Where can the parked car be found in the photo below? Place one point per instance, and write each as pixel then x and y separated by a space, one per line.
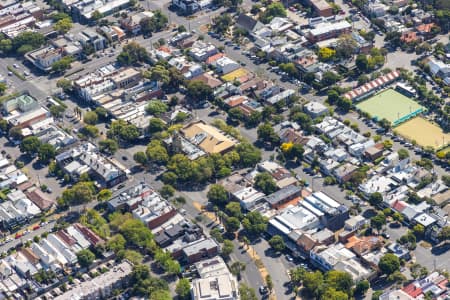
pixel 289 258
pixel 263 290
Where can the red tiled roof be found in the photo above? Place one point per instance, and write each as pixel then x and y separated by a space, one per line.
pixel 425 27
pixel 235 101
pixel 40 199
pixel 93 238
pixel 213 58
pixel 209 80
pixel 399 205
pixel 408 37
pixel 412 290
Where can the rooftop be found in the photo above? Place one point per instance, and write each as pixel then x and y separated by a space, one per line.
pixel 208 138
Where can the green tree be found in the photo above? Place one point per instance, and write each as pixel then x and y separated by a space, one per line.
pixel 62 65
pixel 3 88
pixel 30 145
pixel 63 26
pixel 15 133
pixel 340 281
pixel 232 224
pixel 254 223
pixel 156 125
pixel 222 23
pixel 27 41
pixel 108 146
pixel 362 62
pixel 378 221
pixel 329 78
pixel 199 91
pixel 444 234
pixel 60 16
pixel 116 243
pixel 160 295
pixel 123 131
pixel 132 53
pixel 362 287
pixel 273 10
pixel 345 46
pixel 266 133
pixel 96 15
pixel 333 294
pixel 89 131
pixel 217 194
pixel 326 54
pixel 46 152
pixel 156 153
pixel 167 191
pixel 389 263
pixel 403 153
pixel 269 283
pixel 277 243
pixel 183 288
pixel 104 195
pixel 233 209
pixel 236 268
pixel 249 156
pixel 156 107
pixel 90 118
pixel 227 248
pixel 265 183
pixel 6 45
pixel 375 199
pixel 313 283
pixel 246 292
pixel 141 158
pixel 85 258
pixel 160 73
pixel 65 84
pixel 289 68
pixel 57 111
pixel 80 193
pixel 3 125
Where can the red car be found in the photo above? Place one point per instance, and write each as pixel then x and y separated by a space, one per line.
pixel 18 235
pixel 36 227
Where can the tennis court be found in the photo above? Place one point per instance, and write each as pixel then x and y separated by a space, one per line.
pixel 235 75
pixel 424 133
pixel 392 106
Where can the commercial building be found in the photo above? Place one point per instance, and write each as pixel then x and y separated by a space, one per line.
pixel 215 282
pixel 102 286
pixel 153 210
pixel 82 10
pixel 44 58
pixel 337 257
pixel 86 158
pixel 330 30
pixel 207 138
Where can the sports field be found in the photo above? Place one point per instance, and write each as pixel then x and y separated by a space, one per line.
pixel 424 133
pixel 391 106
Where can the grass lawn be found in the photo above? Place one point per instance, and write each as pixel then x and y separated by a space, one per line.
pixel 424 133
pixel 389 105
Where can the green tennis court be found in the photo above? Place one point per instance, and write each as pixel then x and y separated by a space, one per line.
pixel 392 106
